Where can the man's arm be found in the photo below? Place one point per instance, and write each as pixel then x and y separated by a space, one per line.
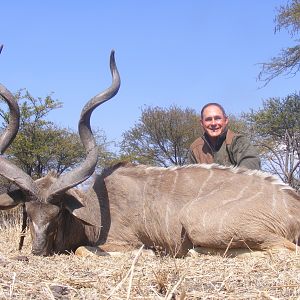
pixel 245 154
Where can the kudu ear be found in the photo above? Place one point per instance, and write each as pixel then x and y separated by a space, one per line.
pixel 11 199
pixel 80 207
pixel 7 202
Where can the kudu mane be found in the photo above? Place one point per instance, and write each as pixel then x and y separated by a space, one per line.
pixel 260 175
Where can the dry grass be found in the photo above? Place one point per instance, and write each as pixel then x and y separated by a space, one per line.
pixel 24 276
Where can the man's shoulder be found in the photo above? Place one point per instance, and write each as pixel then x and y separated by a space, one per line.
pixel 239 139
pixel 196 143
pixel 233 137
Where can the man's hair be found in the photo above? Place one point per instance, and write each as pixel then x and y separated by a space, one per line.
pixel 213 104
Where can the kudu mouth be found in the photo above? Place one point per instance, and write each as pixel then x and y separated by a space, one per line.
pixel 42 251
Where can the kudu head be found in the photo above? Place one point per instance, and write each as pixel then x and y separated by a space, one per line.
pixel 46 199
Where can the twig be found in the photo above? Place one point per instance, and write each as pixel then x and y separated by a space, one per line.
pixel 12 285
pixel 24 226
pixel 156 293
pixel 132 267
pixel 130 272
pixel 228 247
pixel 224 282
pixel 48 292
pixel 169 294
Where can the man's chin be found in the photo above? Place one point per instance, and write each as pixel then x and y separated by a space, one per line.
pixel 215 133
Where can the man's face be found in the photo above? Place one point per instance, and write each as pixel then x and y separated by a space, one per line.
pixel 213 121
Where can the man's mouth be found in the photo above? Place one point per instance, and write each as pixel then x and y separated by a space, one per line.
pixel 214 129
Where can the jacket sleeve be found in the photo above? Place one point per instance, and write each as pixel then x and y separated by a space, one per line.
pixel 244 153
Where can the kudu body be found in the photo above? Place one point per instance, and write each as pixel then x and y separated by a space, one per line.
pixel 172 209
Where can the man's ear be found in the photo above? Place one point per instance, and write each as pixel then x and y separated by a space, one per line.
pixel 226 120
pixel 200 122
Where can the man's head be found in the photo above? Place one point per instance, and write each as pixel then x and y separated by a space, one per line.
pixel 213 120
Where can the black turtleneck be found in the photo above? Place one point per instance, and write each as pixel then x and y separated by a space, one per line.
pixel 219 141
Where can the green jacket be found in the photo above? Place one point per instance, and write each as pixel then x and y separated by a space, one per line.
pixel 231 149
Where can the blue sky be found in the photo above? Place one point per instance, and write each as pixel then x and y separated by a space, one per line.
pixel 186 53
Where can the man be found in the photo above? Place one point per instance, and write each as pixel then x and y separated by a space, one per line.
pixel 219 144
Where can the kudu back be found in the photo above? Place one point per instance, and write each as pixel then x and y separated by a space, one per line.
pixel 168 209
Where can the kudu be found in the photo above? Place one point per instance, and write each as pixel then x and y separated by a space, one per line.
pixel 172 209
